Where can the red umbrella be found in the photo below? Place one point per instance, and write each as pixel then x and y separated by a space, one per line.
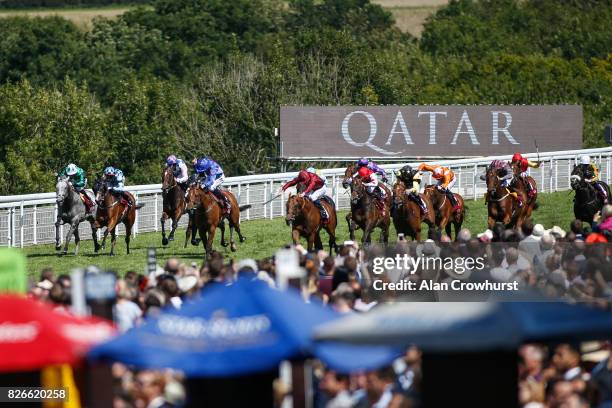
pixel 32 335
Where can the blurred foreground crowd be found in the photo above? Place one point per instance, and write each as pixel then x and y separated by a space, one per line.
pixel 573 264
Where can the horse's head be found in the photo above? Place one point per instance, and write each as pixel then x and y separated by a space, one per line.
pixel 168 180
pixel 577 178
pixel 399 190
pixel 348 176
pixel 357 190
pixel 62 188
pixel 295 206
pixel 100 189
pixel 492 179
pixel 192 198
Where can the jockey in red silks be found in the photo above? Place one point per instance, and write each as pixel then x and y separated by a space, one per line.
pixel 313 187
pixel 524 164
pixel 369 178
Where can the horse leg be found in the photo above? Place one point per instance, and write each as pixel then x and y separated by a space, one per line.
pixel 103 246
pixel 231 232
pixel 312 237
pixel 210 238
pixel 175 220
pixel 385 232
pixel 351 228
pixel 162 220
pixel 94 237
pixel 58 244
pixel 194 241
pixel 295 236
pixel 77 240
pixel 188 231
pixel 222 228
pixel 113 241
pixel 68 236
pixel 318 244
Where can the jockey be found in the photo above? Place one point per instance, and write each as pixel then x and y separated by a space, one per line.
pixel 446 180
pixel 591 175
pixel 505 176
pixel 115 179
pixel 77 178
pixel 179 169
pixel 313 187
pixel 524 164
pixel 370 180
pixel 211 176
pixel 412 180
pixel 363 162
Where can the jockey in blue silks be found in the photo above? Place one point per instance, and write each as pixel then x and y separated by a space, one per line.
pixel 116 183
pixel 211 176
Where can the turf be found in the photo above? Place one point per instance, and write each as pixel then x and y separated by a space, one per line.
pixel 264 237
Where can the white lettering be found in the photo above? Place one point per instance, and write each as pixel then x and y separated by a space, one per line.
pixel 505 130
pixel 465 120
pixel 432 124
pixel 399 120
pixel 373 129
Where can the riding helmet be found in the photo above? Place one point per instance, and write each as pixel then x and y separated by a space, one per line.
pixel 110 170
pixel 363 162
pixel 71 170
pixel 171 160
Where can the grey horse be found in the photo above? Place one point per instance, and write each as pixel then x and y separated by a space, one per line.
pixel 71 210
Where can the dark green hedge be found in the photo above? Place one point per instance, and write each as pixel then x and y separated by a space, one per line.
pixel 18 4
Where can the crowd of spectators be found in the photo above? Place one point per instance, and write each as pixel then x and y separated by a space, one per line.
pixel 573 265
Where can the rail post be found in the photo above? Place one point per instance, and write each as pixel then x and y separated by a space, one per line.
pixel 475 196
pixel 550 178
pixel 156 213
pixel 248 200
pixel 35 224
pixel 21 227
pixel 135 228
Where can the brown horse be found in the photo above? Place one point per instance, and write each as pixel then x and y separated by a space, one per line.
pixel 111 212
pixel 304 218
pixel 445 218
pixel 347 182
pixel 173 198
pixel 502 205
pixel 206 214
pixel 407 215
pixel 366 215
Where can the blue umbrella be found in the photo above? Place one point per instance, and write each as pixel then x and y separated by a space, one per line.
pixel 470 326
pixel 233 330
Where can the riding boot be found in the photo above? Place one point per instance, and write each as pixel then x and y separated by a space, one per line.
pixel 127 198
pixel 602 191
pixel 453 200
pixel 380 199
pixel 324 216
pixel 420 202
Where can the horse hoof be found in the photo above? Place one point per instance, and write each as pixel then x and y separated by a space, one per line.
pixel 224 244
pixel 242 239
pixel 194 242
pixel 64 253
pixel 164 241
pixel 233 247
pixel 171 238
pixel 58 247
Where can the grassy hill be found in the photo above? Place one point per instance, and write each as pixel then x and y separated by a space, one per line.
pixel 264 237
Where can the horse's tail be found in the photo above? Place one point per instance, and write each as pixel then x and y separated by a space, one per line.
pixel 244 207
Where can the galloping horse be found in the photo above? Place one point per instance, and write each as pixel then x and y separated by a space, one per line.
pixel 206 214
pixel 347 182
pixel 445 217
pixel 304 218
pixel 71 210
pixel 173 198
pixel 406 214
pixel 111 212
pixel 501 205
pixel 587 201
pixel 366 215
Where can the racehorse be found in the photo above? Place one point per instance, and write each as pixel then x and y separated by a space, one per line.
pixel 304 218
pixel 71 210
pixel 366 215
pixel 173 198
pixel 406 213
pixel 519 184
pixel 501 205
pixel 206 214
pixel 111 212
pixel 444 215
pixel 347 182
pixel 587 201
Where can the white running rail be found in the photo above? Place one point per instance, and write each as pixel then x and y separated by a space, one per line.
pixel 29 219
